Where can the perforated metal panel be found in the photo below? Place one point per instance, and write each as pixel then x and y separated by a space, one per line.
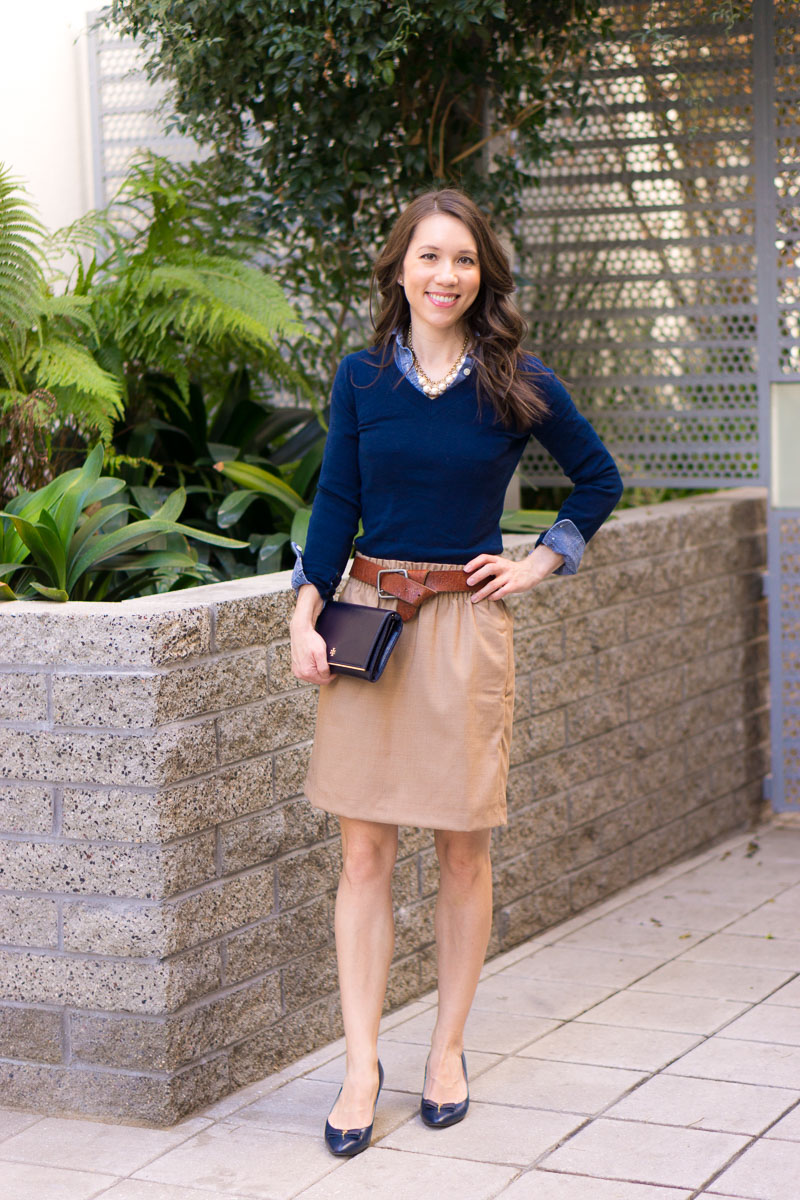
pixel 639 268
pixel 127 111
pixel 778 141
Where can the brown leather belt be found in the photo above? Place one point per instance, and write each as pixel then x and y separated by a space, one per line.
pixel 411 587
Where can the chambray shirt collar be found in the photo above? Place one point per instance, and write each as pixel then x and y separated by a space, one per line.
pixel 404 361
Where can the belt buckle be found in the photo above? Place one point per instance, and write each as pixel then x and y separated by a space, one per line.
pixel 389 571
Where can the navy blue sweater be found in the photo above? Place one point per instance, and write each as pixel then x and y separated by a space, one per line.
pixel 428 477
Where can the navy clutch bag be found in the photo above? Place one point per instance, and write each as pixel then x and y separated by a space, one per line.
pixel 359 638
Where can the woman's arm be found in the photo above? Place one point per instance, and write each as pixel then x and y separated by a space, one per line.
pixel 333 525
pixel 577 449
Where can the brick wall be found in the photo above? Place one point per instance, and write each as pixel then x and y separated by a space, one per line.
pixel 166 894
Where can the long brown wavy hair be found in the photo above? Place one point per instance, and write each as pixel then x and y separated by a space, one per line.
pixel 496 326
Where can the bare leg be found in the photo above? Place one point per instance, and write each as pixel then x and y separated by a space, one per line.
pixel 364 945
pixel 463 922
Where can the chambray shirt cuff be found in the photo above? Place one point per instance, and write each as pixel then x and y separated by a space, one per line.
pixel 299 576
pixel 565 538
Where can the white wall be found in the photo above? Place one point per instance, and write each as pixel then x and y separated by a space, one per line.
pixel 44 104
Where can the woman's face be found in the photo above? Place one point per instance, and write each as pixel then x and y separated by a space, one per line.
pixel 440 274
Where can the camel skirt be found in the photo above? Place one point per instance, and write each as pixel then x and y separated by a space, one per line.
pixel 428 743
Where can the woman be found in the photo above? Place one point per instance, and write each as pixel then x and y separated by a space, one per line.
pixel 426 429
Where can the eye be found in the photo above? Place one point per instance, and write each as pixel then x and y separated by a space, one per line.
pixel 466 258
pixel 427 254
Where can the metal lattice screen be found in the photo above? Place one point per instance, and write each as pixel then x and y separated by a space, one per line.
pixel 639 272
pixel 127 111
pixel 779 354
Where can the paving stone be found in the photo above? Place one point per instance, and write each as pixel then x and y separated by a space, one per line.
pixel 391 1173
pixel 537 997
pixel 21 1181
pixel 579 963
pixel 705 1104
pixel 404 1065
pixel 12 1121
pixel 139 1189
pixel 746 951
pixel 230 1159
pixel 556 1086
pixel 645 1153
pixel 493 1133
pixel 788 994
pixel 744 1062
pixel 767 1171
pixel 771 921
pixel 547 1185
pixel 787 1129
pixel 611 1046
pixel 767 1023
pixel 302 1105
pixel 722 981
pixel 659 1010
pixel 117 1149
pixel 484 1030
pixel 646 938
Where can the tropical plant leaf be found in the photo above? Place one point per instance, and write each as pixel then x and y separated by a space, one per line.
pixel 527 520
pixel 52 593
pixel 248 476
pixel 300 521
pixel 234 506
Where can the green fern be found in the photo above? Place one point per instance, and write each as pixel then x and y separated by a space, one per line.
pixel 42 336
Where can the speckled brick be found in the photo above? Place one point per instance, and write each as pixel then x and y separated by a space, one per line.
pixel 254 620
pixel 262 835
pixel 593 632
pixel 156 1100
pixel 643 617
pixel 161 814
pixel 553 688
pixel 28 921
pixel 147 872
pixel 102 635
pixel 25 809
pixel 281 679
pixel 522 918
pixel 116 985
pixel 601 794
pixel 278 940
pixel 600 879
pixel 308 873
pixel 272 725
pixel 596 714
pixel 166 1044
pixel 30 1033
pixel 291 767
pixel 120 927
pixel 70 757
pixel 22 697
pixel 284 1041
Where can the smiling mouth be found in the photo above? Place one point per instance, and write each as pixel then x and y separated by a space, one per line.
pixel 443 299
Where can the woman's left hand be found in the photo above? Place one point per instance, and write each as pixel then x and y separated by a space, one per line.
pixel 510 576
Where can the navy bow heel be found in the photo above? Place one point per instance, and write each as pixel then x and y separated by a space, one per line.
pixel 347 1142
pixel 439 1116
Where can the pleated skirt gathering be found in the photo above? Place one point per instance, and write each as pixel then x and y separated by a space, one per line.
pixel 428 744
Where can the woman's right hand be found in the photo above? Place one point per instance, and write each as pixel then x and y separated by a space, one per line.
pixel 309 652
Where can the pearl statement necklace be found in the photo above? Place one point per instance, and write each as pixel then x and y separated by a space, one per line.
pixel 435 387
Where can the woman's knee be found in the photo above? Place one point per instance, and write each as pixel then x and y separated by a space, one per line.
pixel 464 857
pixel 367 856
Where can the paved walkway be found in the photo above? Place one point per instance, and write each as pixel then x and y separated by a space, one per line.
pixel 646 1050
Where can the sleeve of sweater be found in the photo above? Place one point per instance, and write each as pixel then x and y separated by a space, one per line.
pixel 337 504
pixel 577 449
